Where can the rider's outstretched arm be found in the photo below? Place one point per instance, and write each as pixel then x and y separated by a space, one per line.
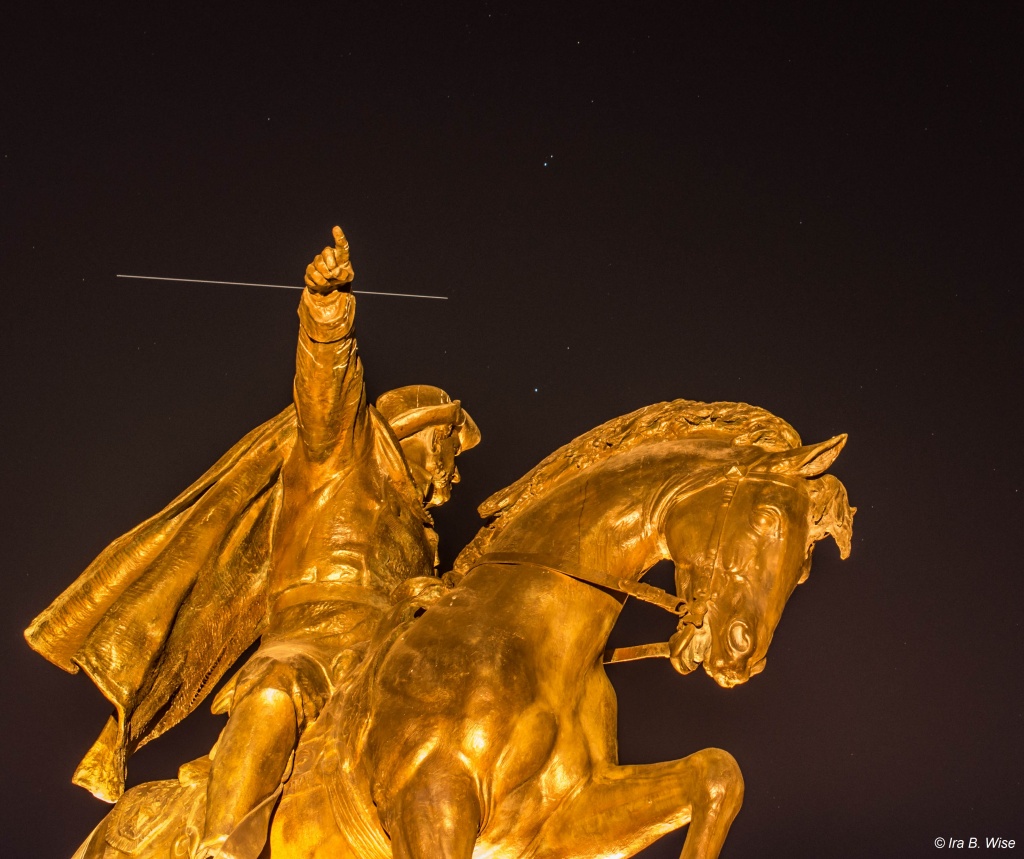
pixel 330 397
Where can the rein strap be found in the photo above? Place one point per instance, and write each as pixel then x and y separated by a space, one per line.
pixel 638 590
pixel 644 592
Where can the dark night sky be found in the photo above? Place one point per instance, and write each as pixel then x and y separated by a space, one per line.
pixel 814 211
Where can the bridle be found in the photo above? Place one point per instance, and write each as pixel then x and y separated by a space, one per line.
pixel 703 574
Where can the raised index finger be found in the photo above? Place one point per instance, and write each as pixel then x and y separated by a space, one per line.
pixel 340 244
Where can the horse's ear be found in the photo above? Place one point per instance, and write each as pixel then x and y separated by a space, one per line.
pixel 808 461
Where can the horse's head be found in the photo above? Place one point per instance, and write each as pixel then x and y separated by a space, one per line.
pixel 741 546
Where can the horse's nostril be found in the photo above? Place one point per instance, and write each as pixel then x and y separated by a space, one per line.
pixel 739 637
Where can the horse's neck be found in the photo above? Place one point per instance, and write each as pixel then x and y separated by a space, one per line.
pixel 606 519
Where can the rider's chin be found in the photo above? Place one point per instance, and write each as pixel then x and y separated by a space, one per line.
pixel 438 494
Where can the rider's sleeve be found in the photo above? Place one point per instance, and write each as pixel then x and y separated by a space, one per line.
pixel 330 399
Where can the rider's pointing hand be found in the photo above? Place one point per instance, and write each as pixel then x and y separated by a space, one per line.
pixel 331 269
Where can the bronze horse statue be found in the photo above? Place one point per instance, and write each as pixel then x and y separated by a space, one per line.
pixel 482 723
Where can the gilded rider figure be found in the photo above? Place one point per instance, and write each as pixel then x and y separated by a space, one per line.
pixel 299 534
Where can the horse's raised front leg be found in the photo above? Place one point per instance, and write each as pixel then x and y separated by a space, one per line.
pixel 624 809
pixel 436 815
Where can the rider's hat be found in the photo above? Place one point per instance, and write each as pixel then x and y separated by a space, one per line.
pixel 416 407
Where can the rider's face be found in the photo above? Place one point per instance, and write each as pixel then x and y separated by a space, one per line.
pixel 431 455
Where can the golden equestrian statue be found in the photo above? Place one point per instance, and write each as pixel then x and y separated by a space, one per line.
pixel 475 718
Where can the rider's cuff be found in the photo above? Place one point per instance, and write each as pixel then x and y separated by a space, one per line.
pixel 327 318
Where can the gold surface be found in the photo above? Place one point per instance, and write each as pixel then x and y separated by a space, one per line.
pixel 388 712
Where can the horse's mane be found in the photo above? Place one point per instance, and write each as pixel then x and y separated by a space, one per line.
pixel 740 423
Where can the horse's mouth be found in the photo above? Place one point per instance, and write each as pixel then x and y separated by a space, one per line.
pixel 688 647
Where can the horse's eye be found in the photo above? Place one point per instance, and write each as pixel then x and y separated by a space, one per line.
pixel 767 521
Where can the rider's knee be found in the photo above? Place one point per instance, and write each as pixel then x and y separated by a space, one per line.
pixel 281 677
pixel 273 699
pixel 272 683
pixel 273 690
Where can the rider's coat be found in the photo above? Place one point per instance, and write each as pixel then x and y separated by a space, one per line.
pixel 298 523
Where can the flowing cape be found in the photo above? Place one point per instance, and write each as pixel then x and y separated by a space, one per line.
pixel 166 609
